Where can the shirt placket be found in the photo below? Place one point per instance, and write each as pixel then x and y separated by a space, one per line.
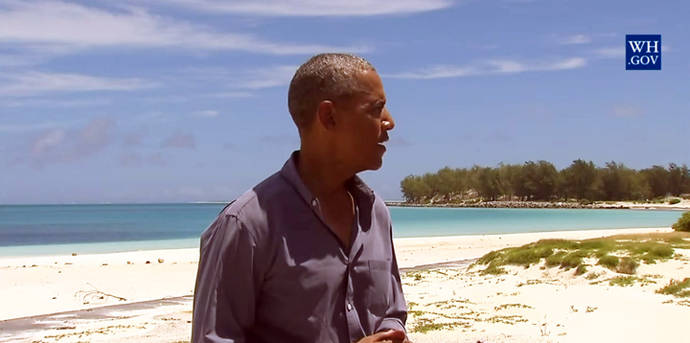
pixel 354 326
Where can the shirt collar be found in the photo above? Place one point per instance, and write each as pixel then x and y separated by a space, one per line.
pixel 363 195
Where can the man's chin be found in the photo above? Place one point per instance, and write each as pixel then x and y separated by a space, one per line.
pixel 376 165
pixel 370 166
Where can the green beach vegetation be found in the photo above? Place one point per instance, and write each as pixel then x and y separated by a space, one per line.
pixel 677 288
pixel 582 181
pixel 621 253
pixel 683 223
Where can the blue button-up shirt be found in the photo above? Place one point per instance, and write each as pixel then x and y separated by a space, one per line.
pixel 271 270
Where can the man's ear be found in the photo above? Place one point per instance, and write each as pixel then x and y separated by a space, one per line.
pixel 325 114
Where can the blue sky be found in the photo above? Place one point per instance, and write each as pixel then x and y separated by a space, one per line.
pixel 185 100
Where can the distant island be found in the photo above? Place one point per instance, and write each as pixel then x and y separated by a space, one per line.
pixel 540 185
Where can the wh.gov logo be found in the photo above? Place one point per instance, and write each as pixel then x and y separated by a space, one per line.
pixel 642 52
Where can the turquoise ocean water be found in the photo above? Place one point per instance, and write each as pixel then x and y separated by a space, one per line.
pixel 63 229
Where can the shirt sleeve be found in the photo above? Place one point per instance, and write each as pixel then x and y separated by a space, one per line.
pixel 226 284
pixel 396 315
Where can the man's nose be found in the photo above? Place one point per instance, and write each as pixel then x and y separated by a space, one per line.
pixel 387 120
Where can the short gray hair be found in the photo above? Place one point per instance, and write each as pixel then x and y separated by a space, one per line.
pixel 323 77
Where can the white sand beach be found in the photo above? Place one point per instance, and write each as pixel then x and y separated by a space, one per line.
pixel 683 204
pixel 524 305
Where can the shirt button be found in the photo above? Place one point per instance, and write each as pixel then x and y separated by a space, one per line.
pixel 313 202
pixel 349 307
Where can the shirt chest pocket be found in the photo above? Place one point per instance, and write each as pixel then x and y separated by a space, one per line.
pixel 379 274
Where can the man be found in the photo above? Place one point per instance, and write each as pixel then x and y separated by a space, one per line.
pixel 307 254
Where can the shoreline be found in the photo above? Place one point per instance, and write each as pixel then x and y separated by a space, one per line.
pixel 177 255
pixel 73 250
pixel 683 205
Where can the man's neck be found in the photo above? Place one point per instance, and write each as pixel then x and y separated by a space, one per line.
pixel 322 175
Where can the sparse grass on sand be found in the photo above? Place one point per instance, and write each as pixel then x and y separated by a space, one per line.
pixel 677 288
pixel 623 281
pixel 621 253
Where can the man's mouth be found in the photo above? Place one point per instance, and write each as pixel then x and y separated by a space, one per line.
pixel 383 141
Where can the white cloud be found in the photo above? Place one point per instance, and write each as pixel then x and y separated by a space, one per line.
pixel 610 52
pixel 507 66
pixel 226 83
pixel 490 67
pixel 32 83
pixel 435 72
pixel 207 113
pixel 304 8
pixel 619 51
pixel 267 77
pixel 61 145
pixel 48 140
pixel 242 82
pixel 76 26
pixel 577 39
pixel 570 63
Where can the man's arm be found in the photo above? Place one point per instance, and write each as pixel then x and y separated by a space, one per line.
pixel 226 286
pixel 396 314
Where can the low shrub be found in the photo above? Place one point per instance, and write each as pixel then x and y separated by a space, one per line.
pixel 581 269
pixel 609 261
pixel 492 269
pixel 599 244
pixel 661 252
pixel 627 266
pixel 651 252
pixel 572 260
pixel 674 201
pixel 555 259
pixel 683 223
pixel 527 257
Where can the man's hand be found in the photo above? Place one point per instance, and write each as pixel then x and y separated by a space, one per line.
pixel 390 336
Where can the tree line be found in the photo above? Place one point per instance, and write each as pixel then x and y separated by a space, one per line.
pixel 540 180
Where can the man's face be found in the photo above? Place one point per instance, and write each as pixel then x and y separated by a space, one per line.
pixel 366 123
